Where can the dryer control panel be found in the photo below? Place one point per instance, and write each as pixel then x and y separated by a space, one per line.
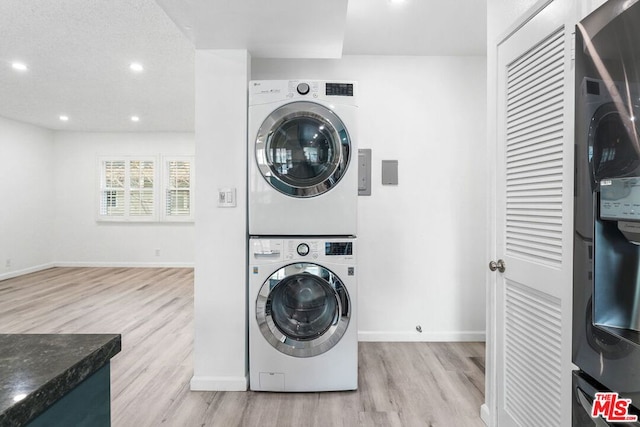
pixel 342 92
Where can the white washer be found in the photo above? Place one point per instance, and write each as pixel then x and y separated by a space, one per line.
pixel 302 158
pixel 302 314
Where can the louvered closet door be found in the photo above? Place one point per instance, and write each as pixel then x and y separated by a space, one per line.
pixel 534 222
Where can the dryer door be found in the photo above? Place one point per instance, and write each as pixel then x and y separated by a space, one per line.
pixel 303 310
pixel 613 142
pixel 302 149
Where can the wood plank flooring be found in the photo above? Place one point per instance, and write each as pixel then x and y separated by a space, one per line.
pixel 400 384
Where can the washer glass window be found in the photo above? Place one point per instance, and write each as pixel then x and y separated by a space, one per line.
pixel 302 149
pixel 303 306
pixel 303 310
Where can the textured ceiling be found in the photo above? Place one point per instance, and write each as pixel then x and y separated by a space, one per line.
pixel 78 51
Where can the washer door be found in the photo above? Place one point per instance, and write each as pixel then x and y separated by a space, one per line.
pixel 302 149
pixel 613 143
pixel 303 310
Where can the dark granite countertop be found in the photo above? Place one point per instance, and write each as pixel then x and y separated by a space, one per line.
pixel 40 369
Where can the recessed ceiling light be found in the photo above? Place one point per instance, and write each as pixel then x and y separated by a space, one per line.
pixel 19 66
pixel 136 67
pixel 64 118
pixel 135 118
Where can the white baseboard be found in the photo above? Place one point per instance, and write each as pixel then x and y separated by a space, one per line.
pixel 125 264
pixel 35 268
pixel 454 336
pixel 485 415
pixel 199 383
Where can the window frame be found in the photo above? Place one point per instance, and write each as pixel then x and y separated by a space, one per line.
pixel 160 189
pixel 127 216
pixel 166 187
pixel 109 194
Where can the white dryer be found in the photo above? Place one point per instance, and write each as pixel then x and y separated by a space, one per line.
pixel 302 158
pixel 302 314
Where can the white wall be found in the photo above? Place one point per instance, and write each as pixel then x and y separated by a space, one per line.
pixel 79 239
pixel 50 187
pixel 220 301
pixel 422 244
pixel 27 207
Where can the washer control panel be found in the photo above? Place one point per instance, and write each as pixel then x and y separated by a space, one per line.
pixel 298 250
pixel 303 88
pixel 315 249
pixel 334 250
pixel 303 249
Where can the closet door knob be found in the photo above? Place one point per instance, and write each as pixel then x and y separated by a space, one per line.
pixel 497 265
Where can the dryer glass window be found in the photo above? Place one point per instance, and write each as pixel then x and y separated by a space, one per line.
pixel 303 306
pixel 302 149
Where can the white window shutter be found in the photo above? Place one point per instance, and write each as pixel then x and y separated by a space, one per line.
pixel 141 188
pixel 112 191
pixel 178 189
pixel 128 189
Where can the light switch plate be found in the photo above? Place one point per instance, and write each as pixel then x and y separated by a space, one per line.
pixel 226 197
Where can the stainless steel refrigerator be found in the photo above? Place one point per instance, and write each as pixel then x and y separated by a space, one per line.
pixel 606 283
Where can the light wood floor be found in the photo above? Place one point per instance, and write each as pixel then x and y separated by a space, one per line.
pixel 400 384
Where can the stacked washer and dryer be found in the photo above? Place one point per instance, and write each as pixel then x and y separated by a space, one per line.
pixel 302 227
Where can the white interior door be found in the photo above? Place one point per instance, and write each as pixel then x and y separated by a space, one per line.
pixel 534 221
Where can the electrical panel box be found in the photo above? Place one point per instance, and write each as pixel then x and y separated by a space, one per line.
pixel 364 172
pixel 389 172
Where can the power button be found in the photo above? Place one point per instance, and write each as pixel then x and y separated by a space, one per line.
pixel 303 249
pixel 303 88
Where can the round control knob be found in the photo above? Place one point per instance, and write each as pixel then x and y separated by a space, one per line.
pixel 303 88
pixel 303 249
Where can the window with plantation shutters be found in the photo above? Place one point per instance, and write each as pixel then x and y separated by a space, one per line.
pixel 128 189
pixel 112 188
pixel 156 188
pixel 141 188
pixel 178 189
